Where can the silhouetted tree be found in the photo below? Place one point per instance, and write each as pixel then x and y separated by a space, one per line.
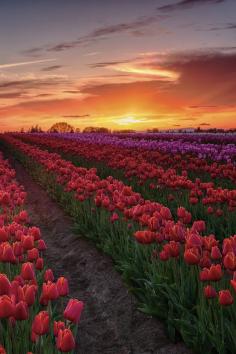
pixel 153 130
pixel 96 130
pixel 35 129
pixel 125 131
pixel 61 127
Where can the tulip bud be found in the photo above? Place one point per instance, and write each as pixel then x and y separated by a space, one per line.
pixel 73 310
pixel 210 292
pixel 65 340
pixel 62 286
pixel 21 311
pixel 225 298
pixel 40 323
pixel 27 271
pixel 48 275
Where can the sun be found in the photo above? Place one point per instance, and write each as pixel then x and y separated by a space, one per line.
pixel 128 120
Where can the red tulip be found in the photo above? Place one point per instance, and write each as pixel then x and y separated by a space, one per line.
pixel 29 294
pixel 7 307
pixel 57 326
pixel 233 283
pixel 62 286
pixel 21 311
pixel 27 271
pixel 204 274
pixel 40 323
pixel 7 253
pixel 48 275
pixel 215 253
pixel 5 285
pixel 65 340
pixel 215 272
pixel 145 236
pixel 73 310
pixel 225 298
pixel 2 350
pixel 41 245
pixel 35 232
pixel 39 264
pixel 164 255
pixel 27 242
pixel 230 261
pixel 50 291
pixel 3 235
pixel 192 256
pixel 210 292
pixel 32 254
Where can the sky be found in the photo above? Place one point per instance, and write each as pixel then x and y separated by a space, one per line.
pixel 128 64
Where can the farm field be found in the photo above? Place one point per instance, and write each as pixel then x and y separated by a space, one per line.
pixel 140 228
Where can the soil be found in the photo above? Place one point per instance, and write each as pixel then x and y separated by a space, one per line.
pixel 110 323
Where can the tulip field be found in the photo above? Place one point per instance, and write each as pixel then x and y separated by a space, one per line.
pixel 33 318
pixel 162 205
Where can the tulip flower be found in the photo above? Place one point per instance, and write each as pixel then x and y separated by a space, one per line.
pixel 230 261
pixel 32 255
pixel 225 298
pixel 57 326
pixel 27 242
pixel 73 310
pixel 65 341
pixel 5 285
pixel 27 271
pixel 41 245
pixel 2 350
pixel 29 294
pixel 48 275
pixel 192 256
pixel 7 307
pixel 215 253
pixel 215 272
pixel 210 292
pixel 40 325
pixel 39 264
pixel 62 286
pixel 21 311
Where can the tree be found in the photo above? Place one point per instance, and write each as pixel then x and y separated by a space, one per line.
pixel 35 129
pixel 124 131
pixel 61 127
pixel 96 130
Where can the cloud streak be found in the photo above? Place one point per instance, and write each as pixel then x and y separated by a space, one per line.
pixel 136 27
pixel 185 4
pixel 13 65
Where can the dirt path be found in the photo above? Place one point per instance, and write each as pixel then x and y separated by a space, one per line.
pixel 110 323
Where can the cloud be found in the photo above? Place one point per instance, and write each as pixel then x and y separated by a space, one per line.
pixel 202 106
pixel 140 66
pixel 71 91
pixel 10 95
pixel 185 4
pixel 228 26
pixel 32 83
pixel 136 27
pixel 204 124
pixel 53 67
pixel 12 65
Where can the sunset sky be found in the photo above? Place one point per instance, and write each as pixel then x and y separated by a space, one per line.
pixel 120 64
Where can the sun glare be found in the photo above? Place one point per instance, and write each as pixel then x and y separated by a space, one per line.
pixel 128 120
